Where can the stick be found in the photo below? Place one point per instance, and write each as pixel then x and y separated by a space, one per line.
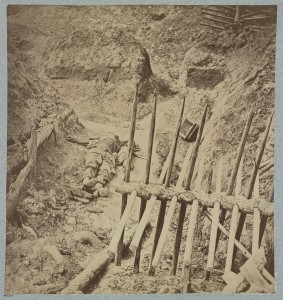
pixel 219 172
pixel 146 179
pixel 186 271
pixel 256 226
pixel 171 210
pixel 200 173
pixel 138 250
pixel 122 223
pixel 231 242
pixel 216 20
pixel 145 218
pixel 212 26
pixel 212 243
pixel 253 178
pixel 128 168
pixel 183 206
pixel 266 168
pixel 150 141
pixel 162 210
pixel 238 186
pixel 246 253
pixel 236 166
pixel 210 13
pixel 265 163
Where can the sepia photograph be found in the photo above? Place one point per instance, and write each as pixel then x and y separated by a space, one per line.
pixel 140 149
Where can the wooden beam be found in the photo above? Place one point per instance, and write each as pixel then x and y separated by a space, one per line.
pixel 187 197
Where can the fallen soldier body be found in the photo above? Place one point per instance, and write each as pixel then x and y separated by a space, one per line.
pixel 101 159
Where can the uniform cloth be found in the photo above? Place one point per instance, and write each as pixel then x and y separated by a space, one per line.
pixel 100 161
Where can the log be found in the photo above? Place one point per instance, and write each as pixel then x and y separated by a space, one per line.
pixel 186 271
pixel 97 265
pixel 16 188
pixel 227 202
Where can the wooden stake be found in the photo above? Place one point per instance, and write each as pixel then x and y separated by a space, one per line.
pixel 183 206
pixel 256 225
pixel 130 149
pixel 171 210
pixel 200 173
pixel 253 178
pixel 150 141
pixel 212 243
pixel 146 179
pixel 236 167
pixel 239 178
pixel 219 172
pixel 246 253
pixel 122 223
pixel 138 250
pixel 187 264
pixel 231 242
pixel 163 204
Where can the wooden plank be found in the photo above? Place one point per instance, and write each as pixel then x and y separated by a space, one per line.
pixel 187 261
pixel 212 242
pixel 122 223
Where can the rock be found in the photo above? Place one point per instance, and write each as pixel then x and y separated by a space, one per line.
pixel 72 221
pixel 87 237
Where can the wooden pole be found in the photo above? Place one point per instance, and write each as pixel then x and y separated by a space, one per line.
pixel 122 223
pixel 171 210
pixel 187 264
pixel 146 179
pixel 212 243
pixel 245 252
pixel 256 226
pixel 215 219
pixel 183 206
pixel 149 206
pixel 253 178
pixel 130 149
pixel 150 141
pixel 163 204
pixel 236 167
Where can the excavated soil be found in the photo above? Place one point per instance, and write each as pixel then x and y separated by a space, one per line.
pixel 89 58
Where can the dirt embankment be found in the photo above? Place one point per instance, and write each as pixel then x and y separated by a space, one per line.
pixel 89 58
